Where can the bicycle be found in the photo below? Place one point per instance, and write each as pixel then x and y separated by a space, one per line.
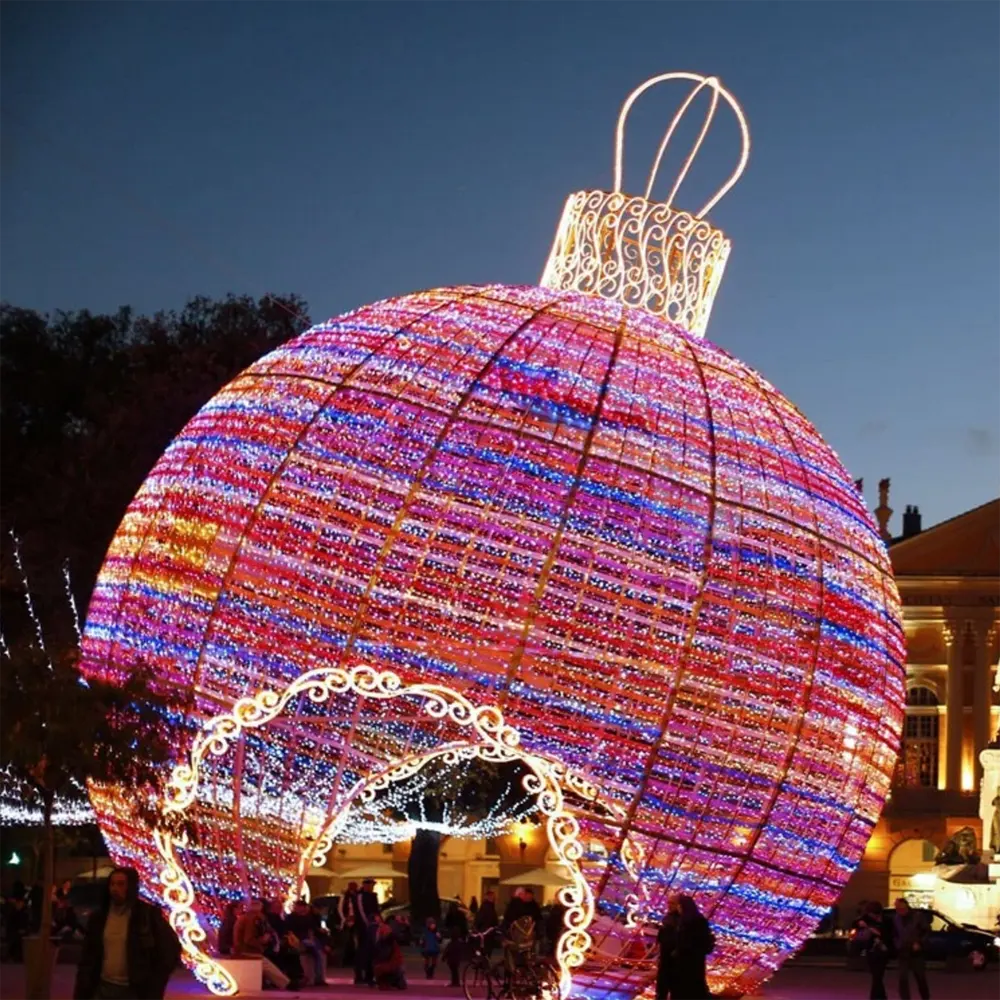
pixel 531 976
pixel 481 979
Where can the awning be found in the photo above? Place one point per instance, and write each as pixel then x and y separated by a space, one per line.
pixel 539 876
pixel 377 869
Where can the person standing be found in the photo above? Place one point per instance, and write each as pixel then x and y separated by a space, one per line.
pixel 695 941
pixel 487 920
pixel 456 922
pixel 486 914
pixel 430 946
pixel 666 938
pixel 870 934
pixel 129 950
pixel 367 911
pixel 910 930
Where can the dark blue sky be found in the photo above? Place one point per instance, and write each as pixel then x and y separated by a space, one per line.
pixel 349 152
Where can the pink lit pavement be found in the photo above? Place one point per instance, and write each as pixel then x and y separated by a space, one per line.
pixel 794 982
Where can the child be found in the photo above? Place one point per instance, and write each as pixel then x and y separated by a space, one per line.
pixel 431 946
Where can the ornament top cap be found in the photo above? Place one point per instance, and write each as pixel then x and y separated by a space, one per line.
pixel 644 253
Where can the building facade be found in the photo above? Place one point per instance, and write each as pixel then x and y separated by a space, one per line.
pixel 949 582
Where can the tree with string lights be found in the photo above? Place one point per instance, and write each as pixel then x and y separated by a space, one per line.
pixel 475 800
pixel 60 732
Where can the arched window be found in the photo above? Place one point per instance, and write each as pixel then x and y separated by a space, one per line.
pixel 921 696
pixel 920 738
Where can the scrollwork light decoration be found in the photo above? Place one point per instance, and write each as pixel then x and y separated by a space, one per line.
pixel 649 254
pixel 552 524
pixel 500 742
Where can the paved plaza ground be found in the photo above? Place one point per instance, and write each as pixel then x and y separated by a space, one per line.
pixel 794 982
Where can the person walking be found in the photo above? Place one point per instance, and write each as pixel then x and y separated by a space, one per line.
pixel 871 935
pixel 910 930
pixel 129 950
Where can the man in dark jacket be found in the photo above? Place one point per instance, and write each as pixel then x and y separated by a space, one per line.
pixel 910 931
pixel 367 910
pixel 129 950
pixel 486 915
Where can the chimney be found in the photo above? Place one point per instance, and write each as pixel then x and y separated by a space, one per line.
pixel 911 521
pixel 883 511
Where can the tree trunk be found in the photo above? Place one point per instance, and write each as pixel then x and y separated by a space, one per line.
pixel 42 986
pixel 423 871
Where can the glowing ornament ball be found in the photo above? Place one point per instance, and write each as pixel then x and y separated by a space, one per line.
pixel 556 500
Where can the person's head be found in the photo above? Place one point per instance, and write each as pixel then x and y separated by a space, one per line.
pixel 873 908
pixel 674 905
pixel 123 886
pixel 368 885
pixel 902 906
pixel 490 895
pixel 301 907
pixel 352 887
pixel 520 892
pixel 255 905
pixel 274 906
pixel 529 894
pixel 688 907
pixel 67 885
pixel 383 929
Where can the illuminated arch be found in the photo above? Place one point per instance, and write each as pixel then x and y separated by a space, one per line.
pixel 491 739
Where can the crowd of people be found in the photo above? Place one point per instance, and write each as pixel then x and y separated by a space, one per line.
pixel 685 941
pixel 902 932
pixel 129 950
pixel 296 949
pixel 22 915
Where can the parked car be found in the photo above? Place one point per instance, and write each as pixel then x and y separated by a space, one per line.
pixel 956 944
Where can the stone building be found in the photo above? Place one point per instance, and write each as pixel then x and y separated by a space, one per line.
pixel 466 867
pixel 949 581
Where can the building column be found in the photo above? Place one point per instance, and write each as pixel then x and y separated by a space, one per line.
pixel 952 634
pixel 983 691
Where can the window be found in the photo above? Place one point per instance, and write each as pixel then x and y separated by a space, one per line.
pixel 921 696
pixel 920 738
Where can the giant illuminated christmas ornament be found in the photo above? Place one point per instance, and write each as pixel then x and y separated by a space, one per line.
pixel 545 524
